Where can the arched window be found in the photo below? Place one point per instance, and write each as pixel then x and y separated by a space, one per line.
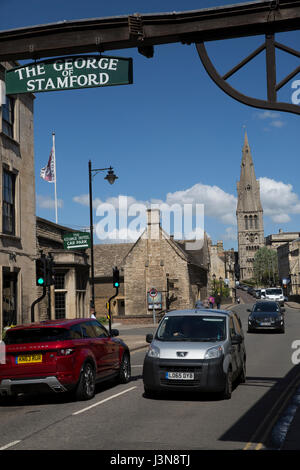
pixel 246 222
pixel 250 221
pixel 256 221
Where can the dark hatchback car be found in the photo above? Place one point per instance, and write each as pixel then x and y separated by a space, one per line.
pixel 266 315
pixel 61 356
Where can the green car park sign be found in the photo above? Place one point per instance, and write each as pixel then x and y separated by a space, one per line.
pixel 69 73
pixel 77 240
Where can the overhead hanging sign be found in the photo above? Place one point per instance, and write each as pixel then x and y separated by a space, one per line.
pixel 69 73
pixel 76 240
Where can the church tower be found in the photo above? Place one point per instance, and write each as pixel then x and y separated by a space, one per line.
pixel 249 214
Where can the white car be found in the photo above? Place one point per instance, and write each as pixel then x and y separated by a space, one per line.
pixel 275 294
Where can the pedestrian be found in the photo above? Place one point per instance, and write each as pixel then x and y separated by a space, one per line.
pixel 92 313
pixel 211 301
pixel 218 301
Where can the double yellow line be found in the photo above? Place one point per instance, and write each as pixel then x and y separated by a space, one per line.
pixel 262 432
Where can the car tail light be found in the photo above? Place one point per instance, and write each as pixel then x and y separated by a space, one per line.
pixel 65 352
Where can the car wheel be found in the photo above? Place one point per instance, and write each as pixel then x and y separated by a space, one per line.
pixel 149 393
pixel 87 383
pixel 226 395
pixel 125 369
pixel 242 377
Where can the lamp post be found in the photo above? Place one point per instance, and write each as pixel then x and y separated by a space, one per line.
pixel 214 279
pixel 221 282
pixel 111 178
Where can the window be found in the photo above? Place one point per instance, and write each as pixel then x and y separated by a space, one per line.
pixel 250 221
pixel 256 221
pixel 60 305
pixel 88 330
pixel 8 204
pixel 100 330
pixel 59 280
pixel 246 222
pixel 75 332
pixel 8 117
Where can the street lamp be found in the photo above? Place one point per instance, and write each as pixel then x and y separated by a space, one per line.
pixel 221 282
pixel 111 178
pixel 214 278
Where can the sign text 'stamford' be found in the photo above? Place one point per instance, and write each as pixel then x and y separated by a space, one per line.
pixel 68 73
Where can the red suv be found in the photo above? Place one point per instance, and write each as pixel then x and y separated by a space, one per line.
pixel 62 355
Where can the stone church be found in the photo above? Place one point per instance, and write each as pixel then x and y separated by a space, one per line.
pixel 249 214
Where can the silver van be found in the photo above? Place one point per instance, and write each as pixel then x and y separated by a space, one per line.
pixel 195 350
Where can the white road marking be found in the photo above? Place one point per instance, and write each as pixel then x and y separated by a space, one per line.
pixel 102 401
pixel 9 445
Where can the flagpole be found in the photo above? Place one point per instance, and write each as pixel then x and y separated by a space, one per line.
pixel 54 158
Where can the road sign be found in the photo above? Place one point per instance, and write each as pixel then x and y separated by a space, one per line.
pixel 69 73
pixel 77 240
pixel 153 292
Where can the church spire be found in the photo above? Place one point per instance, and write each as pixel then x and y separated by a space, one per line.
pixel 248 197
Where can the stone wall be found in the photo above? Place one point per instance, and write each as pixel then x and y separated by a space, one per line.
pixel 18 251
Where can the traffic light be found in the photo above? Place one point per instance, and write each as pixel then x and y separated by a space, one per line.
pixel 49 271
pixel 41 271
pixel 116 277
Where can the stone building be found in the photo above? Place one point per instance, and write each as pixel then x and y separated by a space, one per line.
pixel 280 238
pixel 106 256
pixel 17 221
pixel 289 265
pixel 155 261
pixel 222 264
pixel 249 214
pixel 69 297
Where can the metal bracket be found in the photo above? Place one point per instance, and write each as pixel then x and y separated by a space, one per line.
pixel 136 28
pixel 269 46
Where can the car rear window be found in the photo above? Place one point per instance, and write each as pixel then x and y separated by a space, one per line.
pixel 266 307
pixel 35 335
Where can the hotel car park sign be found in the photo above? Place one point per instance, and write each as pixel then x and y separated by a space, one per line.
pixel 69 73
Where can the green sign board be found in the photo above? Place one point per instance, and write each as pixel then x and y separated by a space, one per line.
pixel 69 73
pixel 77 240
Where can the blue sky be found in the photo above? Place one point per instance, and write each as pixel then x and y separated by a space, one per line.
pixel 171 136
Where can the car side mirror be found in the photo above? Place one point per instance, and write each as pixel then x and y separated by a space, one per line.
pixel 114 333
pixel 149 338
pixel 236 339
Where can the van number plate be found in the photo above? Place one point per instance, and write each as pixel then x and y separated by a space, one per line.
pixel 180 375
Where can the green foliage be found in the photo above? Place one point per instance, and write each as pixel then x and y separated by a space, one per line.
pixel 266 267
pixel 219 288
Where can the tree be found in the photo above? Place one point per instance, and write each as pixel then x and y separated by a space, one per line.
pixel 266 267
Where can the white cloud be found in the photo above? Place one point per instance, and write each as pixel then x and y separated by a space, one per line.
pixel 277 123
pixel 45 202
pixel 230 234
pixel 217 203
pixel 273 117
pixel 278 200
pixel 267 115
pixel 84 200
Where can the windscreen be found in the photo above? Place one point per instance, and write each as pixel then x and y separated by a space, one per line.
pixel 274 291
pixel 35 335
pixel 192 328
pixel 266 307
